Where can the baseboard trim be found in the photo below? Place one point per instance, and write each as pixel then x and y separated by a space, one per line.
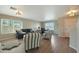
pixel 73 48
pixel 65 37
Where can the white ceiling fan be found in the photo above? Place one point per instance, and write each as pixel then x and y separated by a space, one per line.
pixel 18 12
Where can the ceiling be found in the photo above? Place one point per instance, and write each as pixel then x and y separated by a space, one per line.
pixel 38 12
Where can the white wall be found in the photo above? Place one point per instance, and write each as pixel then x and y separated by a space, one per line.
pixel 77 42
pixel 74 36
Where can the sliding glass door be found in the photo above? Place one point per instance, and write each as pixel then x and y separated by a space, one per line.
pixel 49 26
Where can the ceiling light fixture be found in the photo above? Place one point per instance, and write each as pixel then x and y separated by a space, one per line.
pixel 72 12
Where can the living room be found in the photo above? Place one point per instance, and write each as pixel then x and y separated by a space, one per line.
pixel 44 22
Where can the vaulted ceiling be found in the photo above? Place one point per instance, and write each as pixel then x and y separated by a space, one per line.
pixel 38 12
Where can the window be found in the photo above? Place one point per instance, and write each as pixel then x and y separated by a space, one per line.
pixel 10 26
pixel 17 25
pixel 49 26
pixel 35 26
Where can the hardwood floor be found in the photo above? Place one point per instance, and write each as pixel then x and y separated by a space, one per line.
pixel 55 45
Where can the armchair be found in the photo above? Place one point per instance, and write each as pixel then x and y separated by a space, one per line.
pixel 32 40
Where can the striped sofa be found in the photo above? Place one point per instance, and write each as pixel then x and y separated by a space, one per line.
pixel 32 40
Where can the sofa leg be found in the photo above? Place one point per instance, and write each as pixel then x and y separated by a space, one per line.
pixel 37 47
pixel 26 51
